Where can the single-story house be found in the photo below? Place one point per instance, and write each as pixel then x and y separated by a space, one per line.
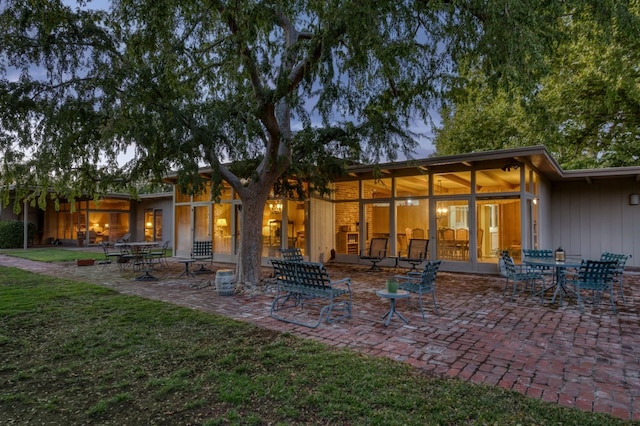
pixel 469 206
pixel 147 219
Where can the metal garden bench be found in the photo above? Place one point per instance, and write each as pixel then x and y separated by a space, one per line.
pixel 308 283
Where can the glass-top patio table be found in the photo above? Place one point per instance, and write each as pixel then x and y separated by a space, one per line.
pixel 559 282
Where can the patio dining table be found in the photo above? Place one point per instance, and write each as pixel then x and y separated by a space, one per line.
pixel 139 251
pixel 559 282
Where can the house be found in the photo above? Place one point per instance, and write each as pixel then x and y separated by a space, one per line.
pixel 147 219
pixel 469 206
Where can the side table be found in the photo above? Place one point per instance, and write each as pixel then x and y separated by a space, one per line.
pixel 186 271
pixel 400 294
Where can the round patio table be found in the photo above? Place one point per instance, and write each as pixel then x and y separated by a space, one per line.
pixel 559 267
pixel 400 294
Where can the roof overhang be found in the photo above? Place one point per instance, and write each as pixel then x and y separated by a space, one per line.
pixel 535 157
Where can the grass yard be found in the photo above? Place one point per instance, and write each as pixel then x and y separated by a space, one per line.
pixel 54 254
pixel 76 353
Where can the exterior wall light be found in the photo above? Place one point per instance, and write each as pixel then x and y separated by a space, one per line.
pixel 634 199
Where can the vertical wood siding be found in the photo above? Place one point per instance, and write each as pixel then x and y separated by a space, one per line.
pixel 587 219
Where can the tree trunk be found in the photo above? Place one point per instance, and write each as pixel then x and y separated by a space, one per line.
pixel 248 273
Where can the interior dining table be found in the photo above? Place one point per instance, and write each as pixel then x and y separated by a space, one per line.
pixel 560 267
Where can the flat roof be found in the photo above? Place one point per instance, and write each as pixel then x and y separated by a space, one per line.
pixel 536 157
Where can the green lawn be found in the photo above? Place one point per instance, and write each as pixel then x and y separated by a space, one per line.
pixel 53 254
pixel 75 353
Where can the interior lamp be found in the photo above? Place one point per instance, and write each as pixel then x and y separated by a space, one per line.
pixel 221 223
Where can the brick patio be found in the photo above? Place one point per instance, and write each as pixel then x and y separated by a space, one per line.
pixel 545 351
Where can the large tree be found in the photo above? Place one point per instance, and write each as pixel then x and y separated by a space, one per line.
pixel 260 91
pixel 586 109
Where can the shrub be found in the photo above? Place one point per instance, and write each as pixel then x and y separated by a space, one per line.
pixel 12 234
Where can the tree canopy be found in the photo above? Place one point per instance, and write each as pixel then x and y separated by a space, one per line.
pixel 586 109
pixel 260 91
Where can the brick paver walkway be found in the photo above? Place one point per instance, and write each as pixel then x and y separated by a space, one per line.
pixel 549 352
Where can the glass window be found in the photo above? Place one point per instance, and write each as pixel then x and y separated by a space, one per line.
pixel 347 190
pixel 347 228
pixel 498 228
pixel 180 196
pixel 204 195
pixel 109 205
pixel 226 193
pixel 452 183
pixel 97 231
pixel 498 180
pixel 183 231
pixel 453 230
pixel 202 223
pixel 157 220
pixel 148 225
pixel 272 228
pixel 412 186
pixel 222 228
pixel 376 221
pixel 372 189
pixel 412 221
pixel 296 214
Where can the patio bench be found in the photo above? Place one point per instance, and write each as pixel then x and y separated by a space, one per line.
pixel 308 283
pixel 202 250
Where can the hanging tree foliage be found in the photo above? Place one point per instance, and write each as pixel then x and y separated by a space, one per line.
pixel 259 91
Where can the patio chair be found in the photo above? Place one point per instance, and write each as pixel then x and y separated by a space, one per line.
pixel 291 254
pixel 545 271
pixel 125 239
pixel 520 274
pixel 109 256
pixel 416 254
pixel 421 283
pixel 159 256
pixel 376 253
pixel 596 277
pixel 621 260
pixel 126 258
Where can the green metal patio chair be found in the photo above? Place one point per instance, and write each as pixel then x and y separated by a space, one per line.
pixel 421 283
pixel 596 277
pixel 621 261
pixel 545 271
pixel 520 274
pixel 292 254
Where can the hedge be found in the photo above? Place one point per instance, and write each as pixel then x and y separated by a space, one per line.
pixel 12 234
